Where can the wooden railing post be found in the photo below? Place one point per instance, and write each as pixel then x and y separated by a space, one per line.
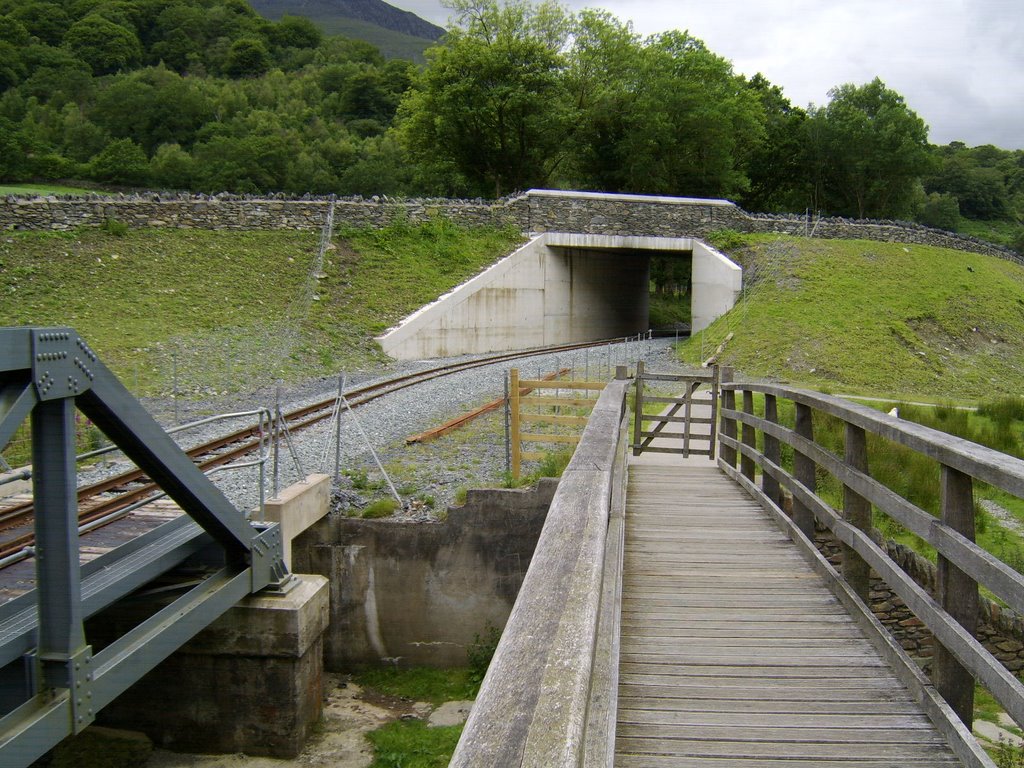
pixel 728 453
pixel 716 387
pixel 747 466
pixel 803 471
pixel 957 594
pixel 638 408
pixel 857 511
pixel 772 451
pixel 513 393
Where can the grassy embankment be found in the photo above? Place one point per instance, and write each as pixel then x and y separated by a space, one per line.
pixel 886 319
pixel 203 313
pixel 47 189
pixel 233 310
pixel 907 322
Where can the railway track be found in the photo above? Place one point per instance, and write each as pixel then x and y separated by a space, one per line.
pixel 103 501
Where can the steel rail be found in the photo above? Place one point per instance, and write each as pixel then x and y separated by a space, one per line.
pixel 239 443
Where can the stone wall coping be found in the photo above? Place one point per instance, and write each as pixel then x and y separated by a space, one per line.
pixel 618 197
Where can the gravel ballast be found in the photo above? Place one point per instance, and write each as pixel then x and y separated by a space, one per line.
pixel 427 475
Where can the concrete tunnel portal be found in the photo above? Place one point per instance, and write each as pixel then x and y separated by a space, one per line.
pixel 559 289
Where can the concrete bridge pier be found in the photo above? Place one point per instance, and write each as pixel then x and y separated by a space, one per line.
pixel 251 682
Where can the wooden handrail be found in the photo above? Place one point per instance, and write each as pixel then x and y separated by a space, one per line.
pixel 538 704
pixel 951 615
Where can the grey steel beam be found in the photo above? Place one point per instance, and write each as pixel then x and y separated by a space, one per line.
pixel 58 580
pixel 121 418
pixel 105 580
pixel 45 372
pixel 17 398
pixel 34 728
pixel 15 349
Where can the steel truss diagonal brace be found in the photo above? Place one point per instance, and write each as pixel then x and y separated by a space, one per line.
pixel 17 398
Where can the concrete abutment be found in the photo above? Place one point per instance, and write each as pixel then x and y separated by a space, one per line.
pixel 562 288
pixel 251 682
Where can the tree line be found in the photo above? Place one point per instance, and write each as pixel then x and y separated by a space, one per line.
pixel 206 95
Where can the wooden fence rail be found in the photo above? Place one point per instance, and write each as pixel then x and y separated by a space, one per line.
pixel 952 613
pixel 543 409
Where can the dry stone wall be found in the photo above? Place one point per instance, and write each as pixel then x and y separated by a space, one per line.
pixel 1000 630
pixel 533 211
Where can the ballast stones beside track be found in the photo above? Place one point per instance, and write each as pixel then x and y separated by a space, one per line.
pixel 475 457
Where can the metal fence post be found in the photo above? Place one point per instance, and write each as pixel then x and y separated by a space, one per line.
pixel 337 430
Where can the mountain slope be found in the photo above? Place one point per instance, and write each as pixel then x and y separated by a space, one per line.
pixel 332 14
pixel 862 317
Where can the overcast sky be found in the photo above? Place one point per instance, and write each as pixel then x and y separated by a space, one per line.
pixel 958 63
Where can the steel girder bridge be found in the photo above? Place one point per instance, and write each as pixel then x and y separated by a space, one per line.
pixel 52 681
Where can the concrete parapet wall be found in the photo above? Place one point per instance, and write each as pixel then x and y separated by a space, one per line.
pixel 534 211
pixel 532 708
pixel 417 594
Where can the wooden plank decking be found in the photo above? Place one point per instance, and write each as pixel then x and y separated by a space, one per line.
pixel 734 652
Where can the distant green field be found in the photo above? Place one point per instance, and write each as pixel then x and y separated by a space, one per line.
pixel 46 189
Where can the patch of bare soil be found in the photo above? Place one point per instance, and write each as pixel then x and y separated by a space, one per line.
pixel 339 741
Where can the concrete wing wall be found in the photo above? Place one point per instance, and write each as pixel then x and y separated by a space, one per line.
pixel 500 309
pixel 715 288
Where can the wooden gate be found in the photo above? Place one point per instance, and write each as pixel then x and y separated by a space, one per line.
pixel 699 393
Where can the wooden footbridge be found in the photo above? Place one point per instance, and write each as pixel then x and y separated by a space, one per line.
pixel 678 613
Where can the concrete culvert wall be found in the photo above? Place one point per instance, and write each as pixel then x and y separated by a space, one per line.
pixel 418 594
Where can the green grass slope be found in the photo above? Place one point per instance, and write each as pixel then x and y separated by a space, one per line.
pixel 219 311
pixel 869 318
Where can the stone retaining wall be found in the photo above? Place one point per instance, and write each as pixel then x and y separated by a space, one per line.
pixel 535 211
pixel 1000 630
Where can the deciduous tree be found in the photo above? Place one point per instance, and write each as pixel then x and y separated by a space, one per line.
pixel 491 104
pixel 870 151
pixel 103 44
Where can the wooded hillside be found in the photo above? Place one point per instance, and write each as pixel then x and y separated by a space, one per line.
pixel 207 95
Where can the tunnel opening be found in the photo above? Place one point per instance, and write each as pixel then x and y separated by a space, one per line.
pixel 616 292
pixel 564 288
